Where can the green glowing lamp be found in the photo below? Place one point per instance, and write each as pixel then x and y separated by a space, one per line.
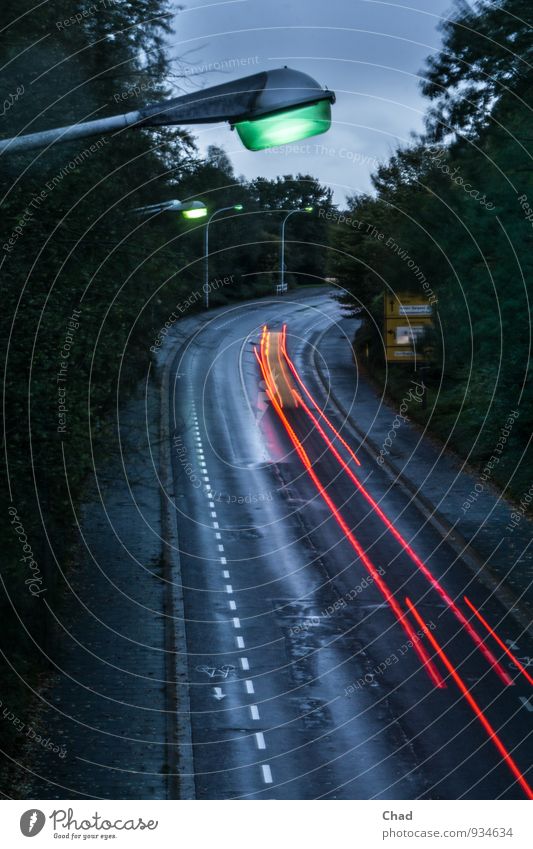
pixel 194 209
pixel 286 126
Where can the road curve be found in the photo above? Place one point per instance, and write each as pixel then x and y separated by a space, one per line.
pixel 331 650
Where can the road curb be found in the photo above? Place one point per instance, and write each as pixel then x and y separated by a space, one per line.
pixel 179 731
pixel 518 609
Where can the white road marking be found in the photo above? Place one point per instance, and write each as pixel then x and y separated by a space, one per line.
pixel 267 774
pixel 260 740
pixel 249 686
pixel 206 478
pixel 224 562
pixel 240 642
pixel 232 605
pixel 526 703
pixel 215 524
pixel 244 663
pixel 218 536
pixel 211 504
pixel 221 548
pixel 225 573
pixel 229 589
pixel 236 622
pixel 213 513
pixel 254 710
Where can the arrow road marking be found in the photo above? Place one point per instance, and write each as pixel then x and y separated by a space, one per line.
pixel 219 695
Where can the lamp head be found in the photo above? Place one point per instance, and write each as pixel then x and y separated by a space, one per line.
pixel 194 209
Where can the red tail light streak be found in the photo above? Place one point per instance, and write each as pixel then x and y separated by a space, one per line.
pixel 437 586
pixel 430 668
pixel 493 735
pixel 500 642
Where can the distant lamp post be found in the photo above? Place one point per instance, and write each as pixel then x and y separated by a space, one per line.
pixel 267 109
pixel 282 286
pixel 237 207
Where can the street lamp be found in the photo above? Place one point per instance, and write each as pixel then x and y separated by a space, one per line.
pixel 238 207
pixel 267 109
pixel 189 208
pixel 282 287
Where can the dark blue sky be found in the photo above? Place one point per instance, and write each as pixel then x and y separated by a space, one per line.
pixel 369 52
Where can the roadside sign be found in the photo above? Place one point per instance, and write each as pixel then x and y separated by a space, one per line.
pixel 406 319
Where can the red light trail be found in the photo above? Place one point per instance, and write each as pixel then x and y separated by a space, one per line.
pixel 380 583
pixel 493 735
pixel 500 642
pixel 501 672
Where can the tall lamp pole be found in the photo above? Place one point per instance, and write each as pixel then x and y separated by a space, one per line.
pixel 237 207
pixel 281 287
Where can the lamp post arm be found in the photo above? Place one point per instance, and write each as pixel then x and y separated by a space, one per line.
pixel 101 126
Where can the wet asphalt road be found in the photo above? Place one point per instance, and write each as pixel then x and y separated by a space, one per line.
pixel 303 683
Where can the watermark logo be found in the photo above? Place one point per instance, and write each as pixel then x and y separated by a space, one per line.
pixel 32 822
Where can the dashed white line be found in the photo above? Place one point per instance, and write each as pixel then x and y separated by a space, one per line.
pixel 249 686
pixel 244 663
pixel 229 589
pixel 232 605
pixel 267 773
pixel 236 622
pixel 240 642
pixel 211 504
pixel 260 740
pixel 213 514
pixel 225 573
pixel 224 562
pixel 215 524
pixel 221 548
pixel 254 710
pixel 218 536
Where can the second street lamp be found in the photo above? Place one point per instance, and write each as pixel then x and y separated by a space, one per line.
pixel 282 286
pixel 188 208
pixel 237 207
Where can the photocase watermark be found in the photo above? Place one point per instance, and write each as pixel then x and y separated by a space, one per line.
pixel 65 820
pixel 354 157
pixel 88 12
pixel 232 498
pixel 491 463
pixel 182 307
pixel 35 581
pixel 518 514
pixel 416 393
pixel 338 604
pixel 526 208
pixel 61 376
pixel 38 199
pixel 11 99
pixel 32 822
pixel 370 230
pixel 438 157
pixel 31 733
pixel 232 64
pixel 369 679
pixel 182 456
